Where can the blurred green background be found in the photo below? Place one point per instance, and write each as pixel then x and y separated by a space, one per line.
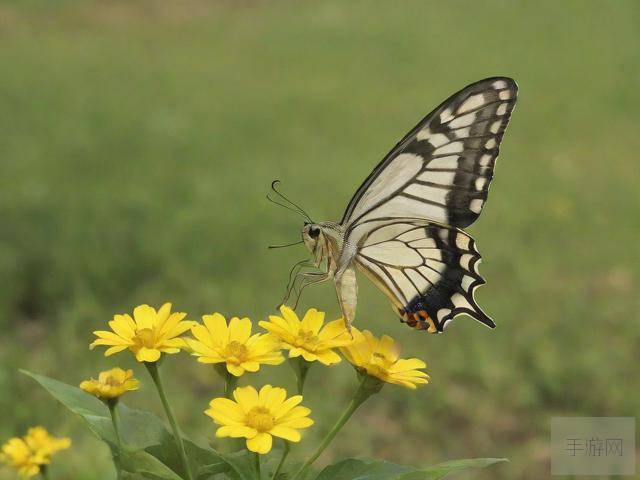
pixel 138 140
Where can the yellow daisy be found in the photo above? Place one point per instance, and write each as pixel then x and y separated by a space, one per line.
pixel 17 454
pixel 147 335
pixel 308 337
pixel 111 384
pixel 259 416
pixel 379 358
pixel 233 344
pixel 28 455
pixel 43 443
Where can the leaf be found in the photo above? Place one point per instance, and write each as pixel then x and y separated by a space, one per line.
pixel 441 470
pixel 90 409
pixel 140 430
pixel 145 464
pixel 207 471
pixel 242 465
pixel 361 469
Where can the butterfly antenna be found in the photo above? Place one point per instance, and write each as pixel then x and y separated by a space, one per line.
pixel 296 208
pixel 286 244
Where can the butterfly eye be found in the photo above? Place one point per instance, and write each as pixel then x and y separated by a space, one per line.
pixel 314 232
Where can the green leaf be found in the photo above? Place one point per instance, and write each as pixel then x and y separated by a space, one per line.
pixel 140 430
pixel 145 464
pixel 241 464
pixel 90 409
pixel 441 470
pixel 357 469
pixel 207 471
pixel 362 469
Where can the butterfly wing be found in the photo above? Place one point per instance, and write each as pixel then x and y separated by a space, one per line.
pixel 428 271
pixel 441 170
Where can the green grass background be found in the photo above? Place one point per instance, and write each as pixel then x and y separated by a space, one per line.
pixel 137 142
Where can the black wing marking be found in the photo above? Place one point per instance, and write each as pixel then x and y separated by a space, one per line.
pixel 441 170
pixel 428 271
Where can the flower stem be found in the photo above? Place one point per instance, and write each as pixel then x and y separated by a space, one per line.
pixel 152 367
pixel 44 472
pixel 285 452
pixel 113 410
pixel 257 460
pixel 230 384
pixel 301 368
pixel 359 397
pixel 230 380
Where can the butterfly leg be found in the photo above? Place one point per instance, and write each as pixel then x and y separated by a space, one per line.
pixel 301 281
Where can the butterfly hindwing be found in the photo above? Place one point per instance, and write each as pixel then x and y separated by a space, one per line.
pixel 428 271
pixel 442 169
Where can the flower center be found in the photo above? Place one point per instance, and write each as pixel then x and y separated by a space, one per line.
pixel 307 339
pixel 145 338
pixel 112 382
pixel 260 418
pixel 236 352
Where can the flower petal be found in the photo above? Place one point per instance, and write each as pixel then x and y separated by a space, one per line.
pixel 247 397
pixel 217 326
pixel 286 406
pixel 301 422
pixel 328 357
pixel 123 326
pixel 239 330
pixel 148 355
pixel 225 411
pixel 285 432
pixel 236 431
pixel 235 370
pixel 312 321
pixel 115 349
pixel 261 443
pixel 291 318
pixel 144 316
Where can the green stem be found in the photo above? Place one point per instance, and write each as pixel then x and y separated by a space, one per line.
pixel 361 394
pixel 113 409
pixel 152 367
pixel 44 472
pixel 257 460
pixel 301 368
pixel 230 384
pixel 230 380
pixel 285 452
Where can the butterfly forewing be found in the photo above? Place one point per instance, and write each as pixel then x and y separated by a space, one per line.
pixel 442 169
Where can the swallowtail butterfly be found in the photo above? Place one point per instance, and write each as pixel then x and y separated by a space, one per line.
pixel 403 227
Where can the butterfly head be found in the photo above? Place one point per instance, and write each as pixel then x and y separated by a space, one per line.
pixel 312 235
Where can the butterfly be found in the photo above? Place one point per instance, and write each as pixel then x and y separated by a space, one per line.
pixel 403 227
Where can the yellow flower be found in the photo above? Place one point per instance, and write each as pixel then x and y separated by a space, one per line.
pixel 308 338
pixel 148 334
pixel 17 454
pixel 380 358
pixel 233 344
pixel 43 443
pixel 28 454
pixel 260 416
pixel 111 384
